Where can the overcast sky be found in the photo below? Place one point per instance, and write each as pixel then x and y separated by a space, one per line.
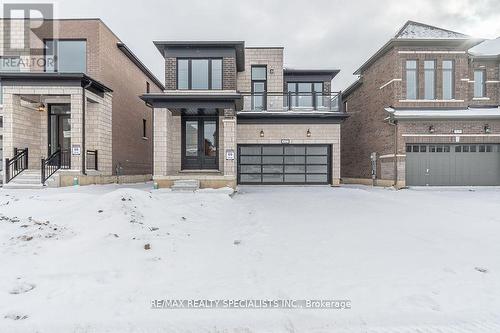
pixel 315 33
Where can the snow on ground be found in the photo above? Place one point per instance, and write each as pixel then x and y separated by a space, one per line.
pixel 424 260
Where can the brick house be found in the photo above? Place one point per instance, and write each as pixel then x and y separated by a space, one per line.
pixel 232 114
pixel 71 106
pixel 425 111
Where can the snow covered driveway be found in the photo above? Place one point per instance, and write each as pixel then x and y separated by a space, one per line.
pixel 74 259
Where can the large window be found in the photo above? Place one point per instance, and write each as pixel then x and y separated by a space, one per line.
pixel 479 83
pixel 430 79
pixel 259 87
pixel 411 79
pixel 305 94
pixel 199 74
pixel 66 56
pixel 448 79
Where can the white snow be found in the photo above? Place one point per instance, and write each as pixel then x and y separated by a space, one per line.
pixel 415 30
pixel 419 260
pixel 490 47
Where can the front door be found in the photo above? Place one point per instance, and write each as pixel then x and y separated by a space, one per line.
pixel 200 143
pixel 60 132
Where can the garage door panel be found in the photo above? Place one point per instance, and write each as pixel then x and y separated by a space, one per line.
pixel 284 164
pixel 453 164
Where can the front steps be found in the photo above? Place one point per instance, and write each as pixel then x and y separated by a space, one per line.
pixel 185 185
pixel 28 179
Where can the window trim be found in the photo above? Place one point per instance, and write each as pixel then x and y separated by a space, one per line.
pixel 190 86
pixel 144 129
pixel 57 40
pixel 417 94
pixel 434 70
pixel 252 81
pixel 452 70
pixel 484 94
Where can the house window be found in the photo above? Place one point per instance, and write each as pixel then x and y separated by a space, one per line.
pixel 479 83
pixel 429 79
pixel 199 74
pixel 66 56
pixel 148 88
pixel 411 79
pixel 448 79
pixel 305 94
pixel 259 87
pixel 144 128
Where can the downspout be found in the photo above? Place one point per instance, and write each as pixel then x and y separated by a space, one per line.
pixel 395 153
pixel 84 107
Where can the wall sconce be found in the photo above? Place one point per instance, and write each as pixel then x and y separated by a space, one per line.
pixel 271 71
pixel 308 133
pixel 487 129
pixel 431 129
pixel 41 106
pixel 261 133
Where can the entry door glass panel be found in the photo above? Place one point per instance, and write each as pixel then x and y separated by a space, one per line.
pixel 210 132
pixel 191 138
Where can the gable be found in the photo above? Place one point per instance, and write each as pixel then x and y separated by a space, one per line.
pixel 415 30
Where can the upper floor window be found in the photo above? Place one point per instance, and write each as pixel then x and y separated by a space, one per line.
pixel 305 94
pixel 259 87
pixel 411 79
pixel 148 88
pixel 479 83
pixel 66 56
pixel 448 79
pixel 430 79
pixel 201 74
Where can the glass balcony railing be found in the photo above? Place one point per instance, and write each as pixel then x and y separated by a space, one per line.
pixel 324 102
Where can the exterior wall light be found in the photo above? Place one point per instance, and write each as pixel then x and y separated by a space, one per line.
pixel 431 129
pixel 487 129
pixel 261 133
pixel 41 107
pixel 308 133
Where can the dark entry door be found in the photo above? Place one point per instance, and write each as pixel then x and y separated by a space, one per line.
pixel 200 143
pixel 59 136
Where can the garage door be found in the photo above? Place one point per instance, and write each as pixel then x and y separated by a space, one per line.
pixel 284 164
pixel 452 165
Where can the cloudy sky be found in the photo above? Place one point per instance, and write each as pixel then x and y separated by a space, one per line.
pixel 315 33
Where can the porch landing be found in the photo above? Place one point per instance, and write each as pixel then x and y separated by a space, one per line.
pixel 207 179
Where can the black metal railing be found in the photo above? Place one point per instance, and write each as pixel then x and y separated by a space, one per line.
pixel 293 101
pixel 17 164
pixel 91 159
pixel 60 159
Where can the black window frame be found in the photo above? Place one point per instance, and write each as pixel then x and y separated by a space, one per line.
pixel 452 70
pixel 56 64
pixel 148 87
pixel 264 93
pixel 144 128
pixel 190 86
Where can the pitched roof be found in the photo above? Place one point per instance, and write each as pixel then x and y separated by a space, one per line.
pixel 417 30
pixel 490 47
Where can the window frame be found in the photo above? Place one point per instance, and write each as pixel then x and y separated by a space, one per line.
pixel 190 70
pixel 56 63
pixel 144 129
pixel 264 81
pixel 452 83
pixel 483 71
pixel 416 77
pixel 434 70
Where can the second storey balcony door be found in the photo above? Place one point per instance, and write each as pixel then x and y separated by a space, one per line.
pixel 200 143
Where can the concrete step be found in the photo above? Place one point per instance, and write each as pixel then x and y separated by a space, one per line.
pixel 186 185
pixel 16 186
pixel 28 179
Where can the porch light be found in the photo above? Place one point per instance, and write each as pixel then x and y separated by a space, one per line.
pixel 261 133
pixel 487 129
pixel 431 129
pixel 308 133
pixel 41 107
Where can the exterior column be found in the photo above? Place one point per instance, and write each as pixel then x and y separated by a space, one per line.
pixel 76 128
pixel 162 119
pixel 229 133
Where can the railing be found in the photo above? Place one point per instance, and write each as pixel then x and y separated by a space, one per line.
pixel 293 101
pixel 91 159
pixel 17 164
pixel 60 159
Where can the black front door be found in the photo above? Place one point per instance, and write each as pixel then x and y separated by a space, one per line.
pixel 200 136
pixel 59 136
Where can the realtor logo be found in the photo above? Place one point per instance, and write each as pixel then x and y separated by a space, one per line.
pixel 22 21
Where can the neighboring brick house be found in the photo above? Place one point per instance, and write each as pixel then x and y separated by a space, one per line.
pixel 71 106
pixel 427 104
pixel 233 115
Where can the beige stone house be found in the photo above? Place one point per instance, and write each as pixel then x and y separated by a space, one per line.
pixel 425 111
pixel 70 105
pixel 232 114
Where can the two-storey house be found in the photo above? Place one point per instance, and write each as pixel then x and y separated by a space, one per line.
pixel 232 114
pixel 70 104
pixel 425 111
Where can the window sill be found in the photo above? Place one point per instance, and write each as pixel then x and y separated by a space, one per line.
pixel 431 100
pixel 481 99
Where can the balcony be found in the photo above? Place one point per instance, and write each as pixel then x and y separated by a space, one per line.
pixel 299 102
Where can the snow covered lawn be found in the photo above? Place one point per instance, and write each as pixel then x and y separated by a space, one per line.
pixel 423 260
